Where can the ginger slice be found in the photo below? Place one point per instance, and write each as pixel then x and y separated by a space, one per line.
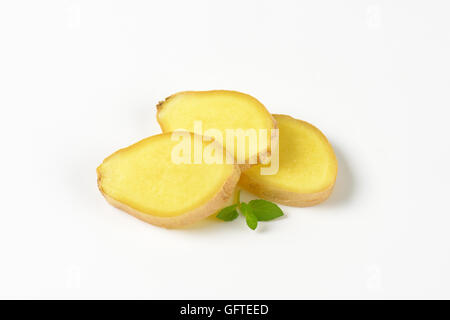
pixel 144 181
pixel 307 167
pixel 221 110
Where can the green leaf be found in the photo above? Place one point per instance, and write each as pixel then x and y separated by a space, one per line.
pixel 250 218
pixel 252 221
pixel 228 213
pixel 265 210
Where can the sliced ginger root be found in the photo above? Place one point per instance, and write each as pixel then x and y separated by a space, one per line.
pixel 222 110
pixel 143 180
pixel 307 167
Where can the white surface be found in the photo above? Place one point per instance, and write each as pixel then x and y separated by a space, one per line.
pixel 80 79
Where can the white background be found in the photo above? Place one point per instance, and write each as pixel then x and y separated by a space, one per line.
pixel 80 79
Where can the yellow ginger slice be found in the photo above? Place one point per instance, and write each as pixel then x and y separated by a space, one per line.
pixel 307 167
pixel 221 110
pixel 144 181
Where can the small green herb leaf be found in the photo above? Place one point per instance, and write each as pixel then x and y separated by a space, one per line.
pixel 252 221
pixel 254 211
pixel 228 213
pixel 265 210
pixel 250 218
